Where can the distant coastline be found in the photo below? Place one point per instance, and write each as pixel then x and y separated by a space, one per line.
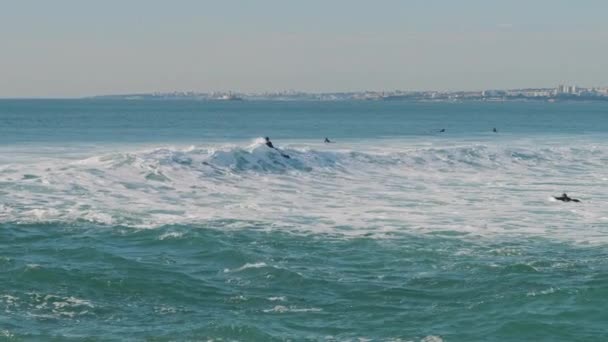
pixel 561 93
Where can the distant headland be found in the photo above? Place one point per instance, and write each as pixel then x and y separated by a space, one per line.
pixel 560 93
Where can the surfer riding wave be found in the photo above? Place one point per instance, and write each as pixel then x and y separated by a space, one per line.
pixel 270 145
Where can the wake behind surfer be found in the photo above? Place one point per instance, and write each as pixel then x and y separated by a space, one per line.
pixel 565 198
pixel 270 145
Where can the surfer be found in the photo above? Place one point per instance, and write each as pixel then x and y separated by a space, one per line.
pixel 565 198
pixel 327 141
pixel 269 144
pixel 494 130
pixel 442 130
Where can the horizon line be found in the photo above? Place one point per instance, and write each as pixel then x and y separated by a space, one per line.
pixel 289 91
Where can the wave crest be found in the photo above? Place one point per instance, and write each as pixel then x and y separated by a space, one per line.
pixel 258 158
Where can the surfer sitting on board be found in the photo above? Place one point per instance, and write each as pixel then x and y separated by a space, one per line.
pixel 269 144
pixel 565 198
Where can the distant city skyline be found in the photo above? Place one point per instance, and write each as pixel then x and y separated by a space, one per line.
pixel 560 88
pixel 69 48
pixel 561 92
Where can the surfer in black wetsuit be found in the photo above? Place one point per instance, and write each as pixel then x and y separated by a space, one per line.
pixel 442 130
pixel 494 130
pixel 269 144
pixel 327 141
pixel 565 198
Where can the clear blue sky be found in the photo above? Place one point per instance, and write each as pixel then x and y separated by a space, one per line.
pixel 65 48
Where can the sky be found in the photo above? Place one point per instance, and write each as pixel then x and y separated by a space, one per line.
pixel 74 48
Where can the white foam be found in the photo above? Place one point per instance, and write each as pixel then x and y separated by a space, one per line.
pixel 165 310
pixel 171 235
pixel 9 300
pixel 432 338
pixel 53 306
pixel 481 188
pixel 542 292
pixel 6 333
pixel 284 309
pixel 247 266
pixel 71 302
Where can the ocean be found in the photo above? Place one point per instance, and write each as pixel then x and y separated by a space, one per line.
pixel 172 221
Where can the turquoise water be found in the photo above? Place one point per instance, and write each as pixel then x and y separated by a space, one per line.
pixel 170 221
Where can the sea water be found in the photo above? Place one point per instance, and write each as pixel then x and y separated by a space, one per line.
pixel 171 221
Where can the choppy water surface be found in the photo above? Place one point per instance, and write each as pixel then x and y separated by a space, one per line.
pixel 173 221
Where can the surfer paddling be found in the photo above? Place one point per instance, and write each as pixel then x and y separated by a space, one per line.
pixel 565 198
pixel 270 145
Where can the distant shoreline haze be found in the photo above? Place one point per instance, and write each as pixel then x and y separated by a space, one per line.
pixel 562 92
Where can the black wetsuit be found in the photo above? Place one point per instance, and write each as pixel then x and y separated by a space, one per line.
pixel 566 198
pixel 269 144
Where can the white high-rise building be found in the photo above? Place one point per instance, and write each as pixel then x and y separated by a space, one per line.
pixel 566 89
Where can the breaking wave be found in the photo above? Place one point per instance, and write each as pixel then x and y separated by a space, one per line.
pixel 471 188
pixel 257 158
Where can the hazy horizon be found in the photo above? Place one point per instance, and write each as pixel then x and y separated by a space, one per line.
pixel 71 49
pixel 296 91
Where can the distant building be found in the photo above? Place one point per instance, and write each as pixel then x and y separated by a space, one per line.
pixel 493 93
pixel 573 90
pixel 566 89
